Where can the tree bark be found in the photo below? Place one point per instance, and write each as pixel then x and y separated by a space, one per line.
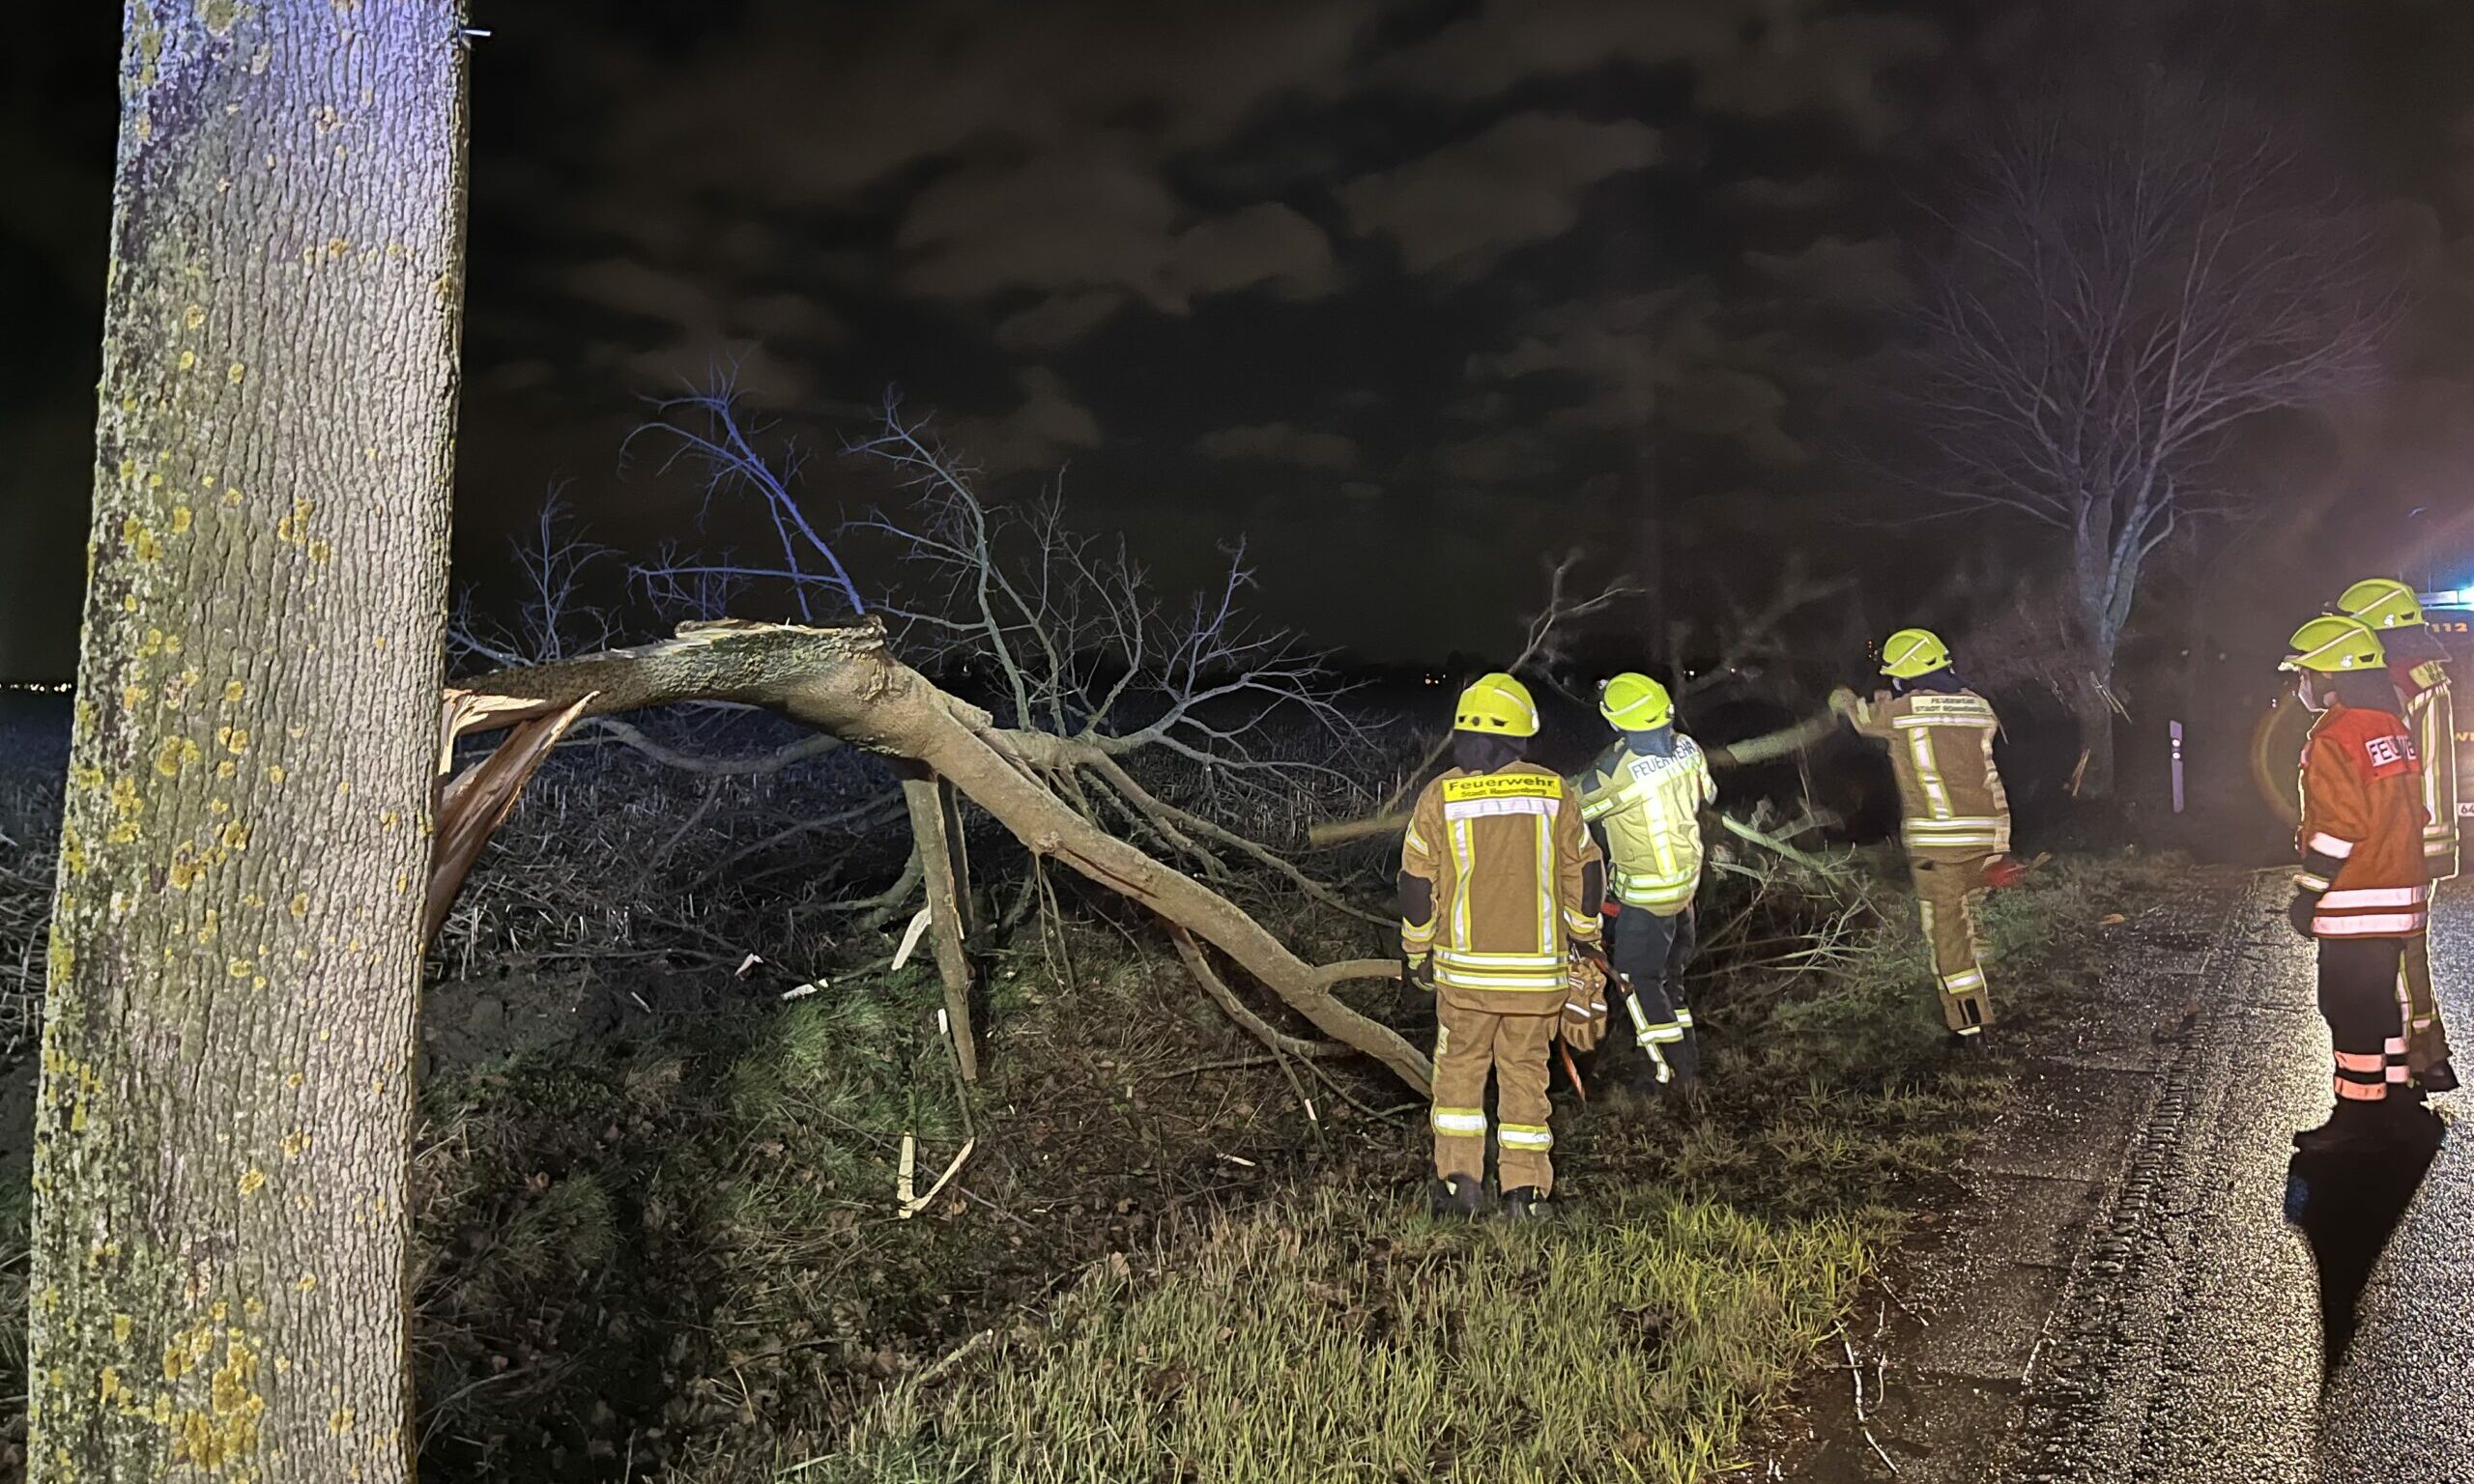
pixel 844 682
pixel 221 1157
pixel 2092 707
pixel 936 839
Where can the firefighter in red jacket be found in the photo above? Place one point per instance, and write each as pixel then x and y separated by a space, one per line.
pixel 2362 893
pixel 2418 665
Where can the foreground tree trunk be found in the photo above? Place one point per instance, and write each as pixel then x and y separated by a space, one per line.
pixel 221 1146
pixel 844 682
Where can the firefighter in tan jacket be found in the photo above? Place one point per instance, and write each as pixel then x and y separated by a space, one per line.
pixel 2418 665
pixel 1955 819
pixel 1498 880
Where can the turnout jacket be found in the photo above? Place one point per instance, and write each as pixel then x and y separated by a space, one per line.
pixel 1650 809
pixel 1510 864
pixel 2432 717
pixel 2362 826
pixel 1941 743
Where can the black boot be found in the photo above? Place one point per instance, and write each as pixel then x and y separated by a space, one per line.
pixel 1526 1203
pixel 2408 1125
pixel 1460 1195
pixel 2360 1128
pixel 2440 1077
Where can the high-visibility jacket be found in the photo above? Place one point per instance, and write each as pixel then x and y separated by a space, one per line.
pixel 1510 863
pixel 2433 718
pixel 2362 826
pixel 1651 811
pixel 1942 749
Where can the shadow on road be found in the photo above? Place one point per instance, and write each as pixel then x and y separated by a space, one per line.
pixel 2347 1206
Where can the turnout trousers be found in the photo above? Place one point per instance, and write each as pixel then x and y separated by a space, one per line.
pixel 1651 952
pixel 2358 998
pixel 1947 888
pixel 1468 1045
pixel 2426 1032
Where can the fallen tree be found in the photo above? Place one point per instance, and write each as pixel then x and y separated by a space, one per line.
pixel 845 681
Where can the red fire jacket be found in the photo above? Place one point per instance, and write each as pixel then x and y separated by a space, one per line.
pixel 2362 826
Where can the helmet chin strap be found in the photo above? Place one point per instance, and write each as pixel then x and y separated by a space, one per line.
pixel 2306 689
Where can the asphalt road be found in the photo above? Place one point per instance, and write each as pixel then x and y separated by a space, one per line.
pixel 2198 1338
pixel 2133 1289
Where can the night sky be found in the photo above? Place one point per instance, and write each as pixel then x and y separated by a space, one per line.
pixel 1414 294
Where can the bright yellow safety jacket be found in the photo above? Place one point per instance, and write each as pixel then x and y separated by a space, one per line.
pixel 1651 811
pixel 2433 718
pixel 1508 858
pixel 1942 750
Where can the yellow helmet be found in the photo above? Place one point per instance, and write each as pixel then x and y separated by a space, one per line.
pixel 1497 706
pixel 1913 653
pixel 2384 603
pixel 2335 644
pixel 1634 702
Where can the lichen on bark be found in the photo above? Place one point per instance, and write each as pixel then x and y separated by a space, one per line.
pixel 225 1100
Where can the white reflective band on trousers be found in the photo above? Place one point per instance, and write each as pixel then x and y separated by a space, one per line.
pixel 2397 925
pixel 2374 897
pixel 2331 846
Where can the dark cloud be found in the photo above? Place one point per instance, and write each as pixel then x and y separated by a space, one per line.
pixel 1460 209
pixel 1280 442
pixel 1869 275
pixel 1039 434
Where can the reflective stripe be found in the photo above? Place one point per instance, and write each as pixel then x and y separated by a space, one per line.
pixel 1683 1016
pixel 1524 1136
pixel 1971 1030
pixel 1548 906
pixel 1517 804
pixel 1943 721
pixel 1417 843
pixel 1660 1034
pixel 2359 1092
pixel 1590 1011
pixel 2367 1062
pixel 1527 984
pixel 1964 981
pixel 1464 861
pixel 1462 956
pixel 2374 897
pixel 1460 1120
pixel 1928 772
pixel 2310 883
pixel 2397 925
pixel 2331 846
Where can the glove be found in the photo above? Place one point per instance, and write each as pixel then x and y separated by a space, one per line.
pixel 1414 1004
pixel 2299 911
pixel 1842 701
pixel 1583 1024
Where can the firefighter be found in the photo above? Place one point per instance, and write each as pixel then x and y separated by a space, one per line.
pixel 1499 879
pixel 2362 892
pixel 1642 801
pixel 1955 819
pixel 2418 666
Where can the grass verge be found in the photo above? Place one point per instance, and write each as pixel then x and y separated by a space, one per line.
pixel 1338 1341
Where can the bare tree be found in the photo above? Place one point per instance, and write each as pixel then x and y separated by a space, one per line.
pixel 2126 282
pixel 557 616
pixel 1066 632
